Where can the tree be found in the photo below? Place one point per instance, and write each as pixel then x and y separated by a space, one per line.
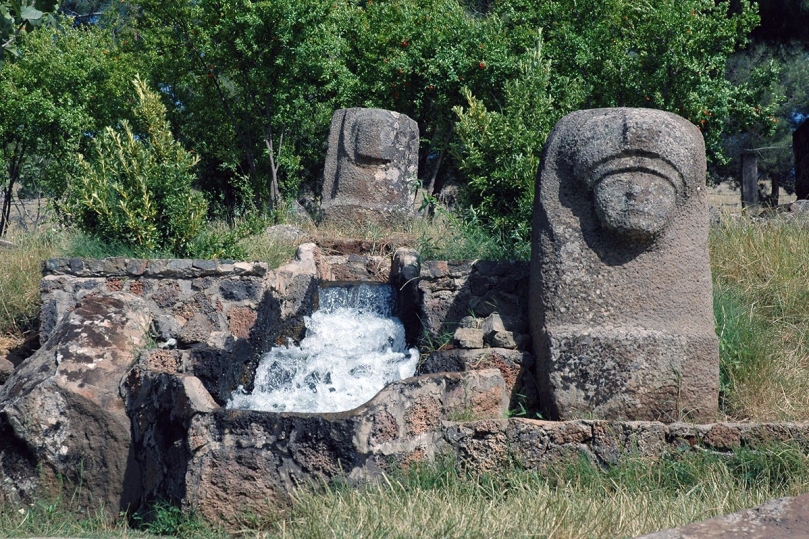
pixel 418 56
pixel 499 151
pixel 66 85
pixel 239 75
pixel 670 54
pixel 251 83
pixel 667 54
pixel 19 17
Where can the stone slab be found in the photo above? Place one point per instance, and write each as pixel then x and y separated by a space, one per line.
pixel 784 518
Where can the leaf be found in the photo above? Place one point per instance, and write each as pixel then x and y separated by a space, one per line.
pixel 31 14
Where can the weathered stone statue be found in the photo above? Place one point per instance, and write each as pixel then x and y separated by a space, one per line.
pixel 620 293
pixel 371 167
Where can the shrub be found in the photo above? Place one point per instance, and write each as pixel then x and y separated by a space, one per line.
pixel 499 151
pixel 136 188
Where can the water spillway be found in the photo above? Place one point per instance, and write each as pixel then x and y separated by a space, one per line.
pixel 353 347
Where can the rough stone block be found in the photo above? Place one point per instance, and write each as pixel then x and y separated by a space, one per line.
pixel 468 338
pixel 65 401
pixel 371 164
pixel 620 295
pixel 784 518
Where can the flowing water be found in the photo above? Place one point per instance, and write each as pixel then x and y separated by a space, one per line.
pixel 353 348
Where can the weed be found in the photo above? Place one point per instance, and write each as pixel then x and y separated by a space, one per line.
pixel 465 413
pixel 167 519
pixel 521 410
pixel 429 343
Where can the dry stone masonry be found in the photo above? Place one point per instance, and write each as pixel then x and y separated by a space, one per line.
pixel 371 167
pixel 611 321
pixel 621 299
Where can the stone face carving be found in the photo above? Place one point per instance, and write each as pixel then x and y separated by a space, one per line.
pixel 620 294
pixel 371 164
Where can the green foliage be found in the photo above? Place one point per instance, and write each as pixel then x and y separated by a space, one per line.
pixel 416 56
pixel 167 519
pixel 789 100
pixel 464 236
pixel 498 151
pixel 668 54
pixel 252 84
pixel 240 75
pixel 136 189
pixel 65 86
pixel 777 466
pixel 742 339
pixel 18 17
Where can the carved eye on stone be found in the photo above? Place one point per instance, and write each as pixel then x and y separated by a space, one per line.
pixel 636 203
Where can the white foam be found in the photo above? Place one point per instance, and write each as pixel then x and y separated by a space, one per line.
pixel 348 355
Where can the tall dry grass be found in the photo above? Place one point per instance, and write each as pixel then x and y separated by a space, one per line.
pixel 574 500
pixel 761 300
pixel 20 273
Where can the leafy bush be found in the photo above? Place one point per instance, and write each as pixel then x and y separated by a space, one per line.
pixel 136 189
pixel 499 151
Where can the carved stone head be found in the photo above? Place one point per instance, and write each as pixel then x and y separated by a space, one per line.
pixel 640 165
pixel 371 164
pixel 621 296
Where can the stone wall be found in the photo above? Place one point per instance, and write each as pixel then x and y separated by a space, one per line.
pixel 222 315
pixel 224 463
pixel 218 312
pixel 489 444
pixel 474 315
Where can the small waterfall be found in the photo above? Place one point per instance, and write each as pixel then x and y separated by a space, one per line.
pixel 353 348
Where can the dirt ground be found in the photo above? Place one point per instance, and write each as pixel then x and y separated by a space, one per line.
pixel 728 197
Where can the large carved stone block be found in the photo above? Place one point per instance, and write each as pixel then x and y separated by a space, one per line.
pixel 371 167
pixel 620 294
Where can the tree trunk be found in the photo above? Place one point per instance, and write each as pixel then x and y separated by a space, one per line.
pixel 749 179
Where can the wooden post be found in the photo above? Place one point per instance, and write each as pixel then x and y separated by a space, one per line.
pixel 749 179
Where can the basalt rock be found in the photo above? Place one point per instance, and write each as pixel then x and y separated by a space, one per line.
pixel 61 411
pixel 226 464
pixel 371 166
pixel 620 296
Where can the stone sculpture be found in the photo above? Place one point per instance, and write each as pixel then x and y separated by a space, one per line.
pixel 620 290
pixel 371 167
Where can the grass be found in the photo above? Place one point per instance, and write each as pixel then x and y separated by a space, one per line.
pixel 20 273
pixel 761 302
pixel 571 500
pixel 568 500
